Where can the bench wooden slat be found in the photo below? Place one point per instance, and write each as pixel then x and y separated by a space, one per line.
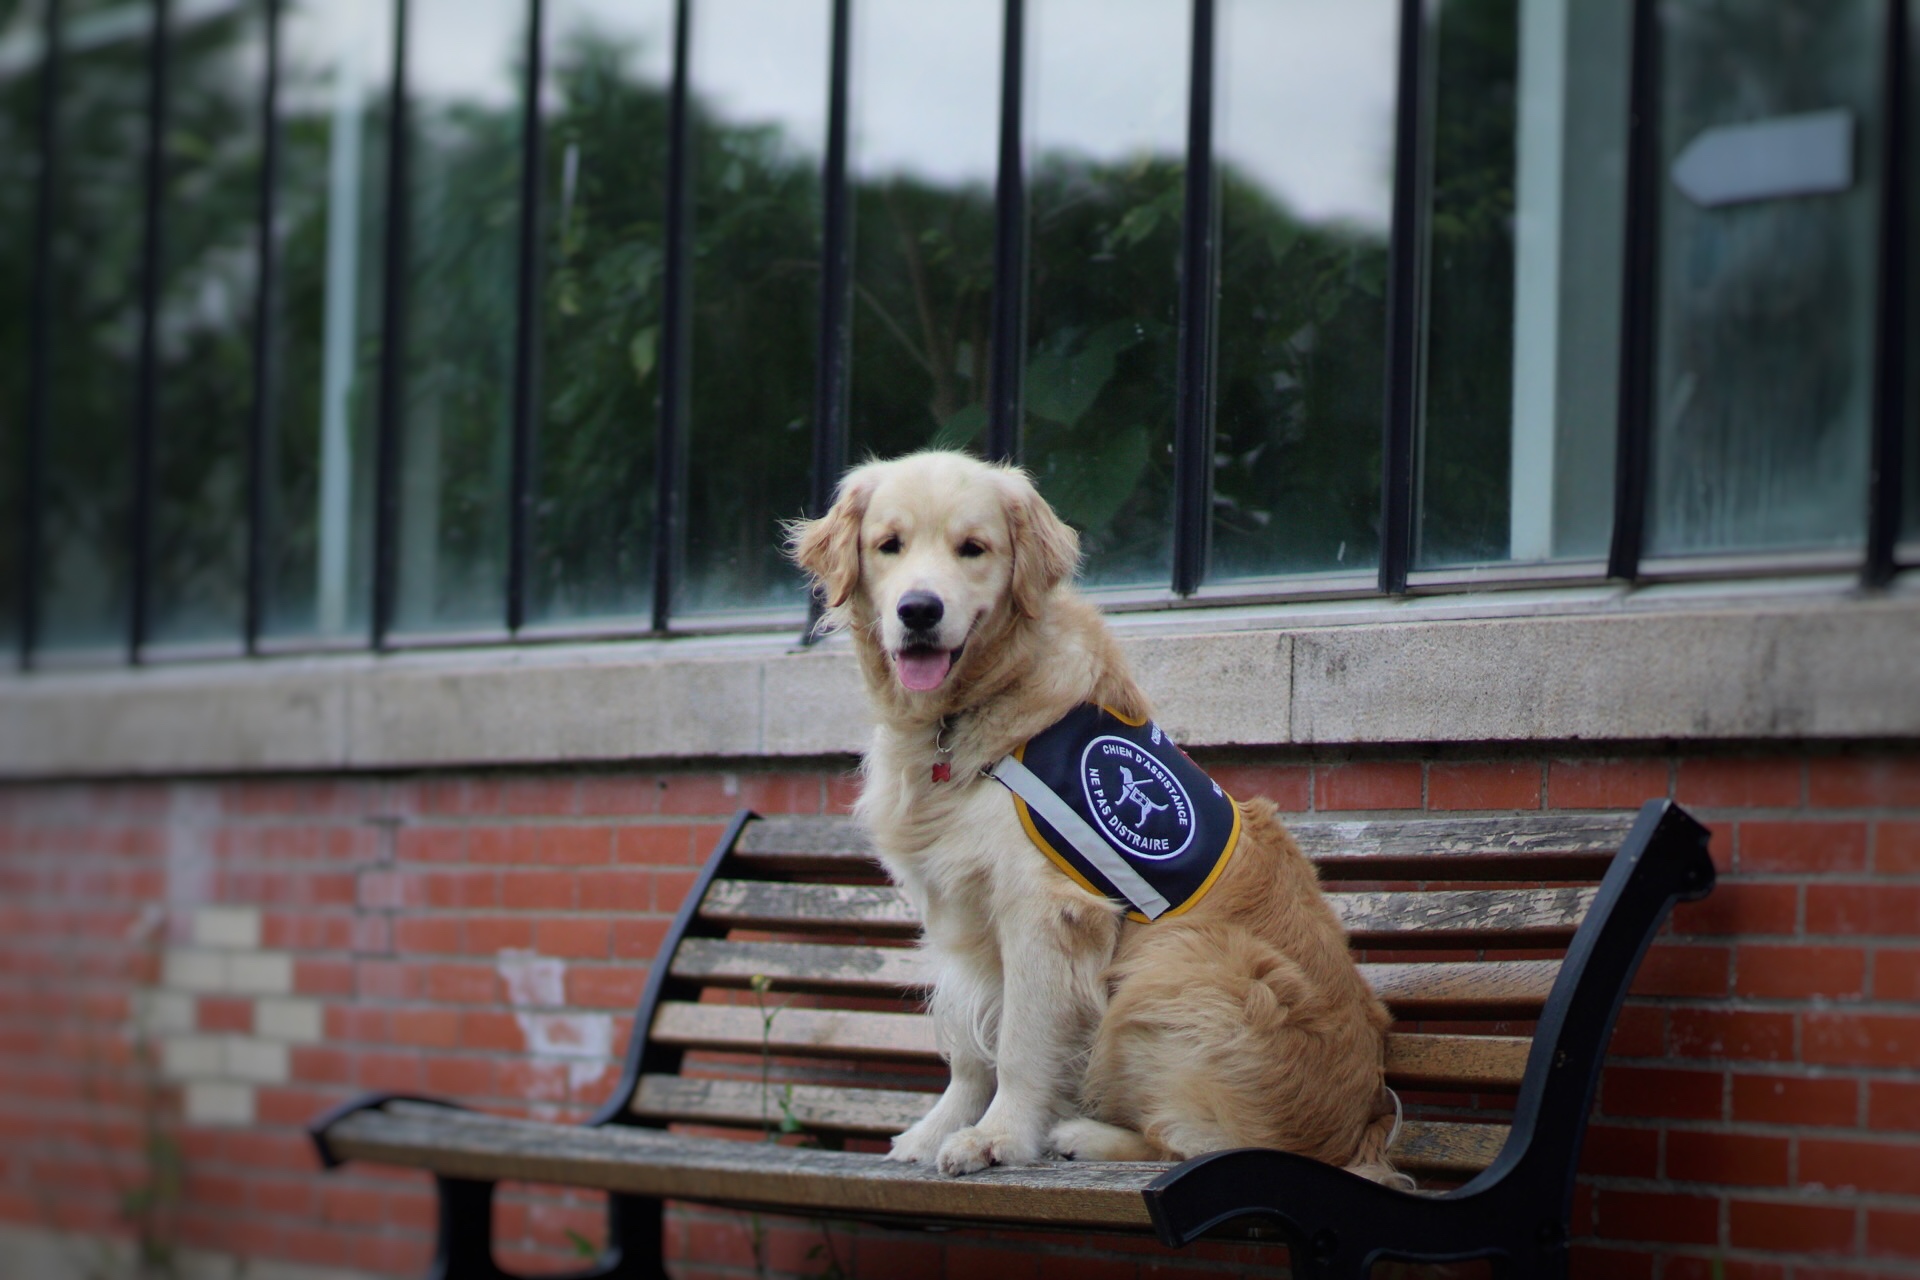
pixel 1439 918
pixel 1452 989
pixel 1463 917
pixel 766 904
pixel 1531 846
pixel 803 966
pixel 654 1162
pixel 1421 1059
pixel 1464 988
pixel 1425 1147
pixel 819 1032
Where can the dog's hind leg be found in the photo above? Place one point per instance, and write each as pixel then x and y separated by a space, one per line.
pixel 1085 1139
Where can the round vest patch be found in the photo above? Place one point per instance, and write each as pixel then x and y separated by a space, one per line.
pixel 1135 800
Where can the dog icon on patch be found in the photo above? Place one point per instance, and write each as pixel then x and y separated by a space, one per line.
pixel 1131 793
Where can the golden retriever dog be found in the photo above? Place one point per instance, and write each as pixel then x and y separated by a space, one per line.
pixel 1070 1029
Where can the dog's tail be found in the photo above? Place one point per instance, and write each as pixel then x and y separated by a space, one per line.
pixel 1370 1161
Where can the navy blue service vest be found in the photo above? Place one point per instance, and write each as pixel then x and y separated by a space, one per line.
pixel 1171 825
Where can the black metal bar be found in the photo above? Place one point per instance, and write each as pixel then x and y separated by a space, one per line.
pixel 832 378
pixel 1199 296
pixel 259 441
pixel 147 382
pixel 1406 291
pixel 1891 412
pixel 386 482
pixel 1007 366
pixel 526 362
pixel 40 346
pixel 670 459
pixel 1639 293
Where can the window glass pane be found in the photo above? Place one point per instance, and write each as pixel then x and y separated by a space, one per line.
pixel 925 149
pixel 759 101
pixel 608 67
pixel 1764 375
pixel 1910 505
pixel 204 326
pixel 1524 279
pixel 465 64
pixel 20 55
pixel 336 73
pixel 1106 163
pixel 94 339
pixel 1304 152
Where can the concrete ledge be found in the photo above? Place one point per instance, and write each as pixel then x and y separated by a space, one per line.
pixel 1822 666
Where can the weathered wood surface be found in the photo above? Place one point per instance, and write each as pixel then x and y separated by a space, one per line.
pixel 1464 988
pixel 1464 917
pixel 802 966
pixel 1447 989
pixel 769 904
pixel 1456 1062
pixel 1526 846
pixel 837 1033
pixel 1427 1060
pixel 652 1162
pixel 1441 918
pixel 1425 1147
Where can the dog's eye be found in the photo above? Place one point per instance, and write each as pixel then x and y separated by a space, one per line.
pixel 889 546
pixel 970 549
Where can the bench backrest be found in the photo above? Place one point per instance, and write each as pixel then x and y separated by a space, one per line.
pixel 1459 924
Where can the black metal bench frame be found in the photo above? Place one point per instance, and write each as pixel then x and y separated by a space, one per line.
pixel 1516 1212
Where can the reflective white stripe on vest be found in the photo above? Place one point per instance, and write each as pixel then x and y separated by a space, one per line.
pixel 1023 782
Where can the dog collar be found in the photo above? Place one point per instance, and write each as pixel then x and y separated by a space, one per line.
pixel 1122 810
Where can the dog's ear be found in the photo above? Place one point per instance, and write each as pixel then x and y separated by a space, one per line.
pixel 1046 552
pixel 828 549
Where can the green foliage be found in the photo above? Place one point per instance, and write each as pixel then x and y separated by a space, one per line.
pixel 1467 445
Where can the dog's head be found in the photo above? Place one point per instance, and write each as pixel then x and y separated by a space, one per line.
pixel 926 554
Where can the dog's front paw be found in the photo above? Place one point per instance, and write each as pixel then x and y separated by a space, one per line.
pixel 921 1143
pixel 974 1149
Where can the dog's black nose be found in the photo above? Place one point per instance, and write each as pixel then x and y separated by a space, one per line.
pixel 921 610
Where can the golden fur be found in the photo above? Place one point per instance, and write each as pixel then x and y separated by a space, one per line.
pixel 1242 1022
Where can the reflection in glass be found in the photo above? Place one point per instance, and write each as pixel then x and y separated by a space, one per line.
pixel 465 87
pixel 607 67
pixel 1763 376
pixel 336 72
pixel 1106 148
pixel 759 89
pixel 925 104
pixel 94 339
pixel 204 323
pixel 20 55
pixel 1517 437
pixel 1304 150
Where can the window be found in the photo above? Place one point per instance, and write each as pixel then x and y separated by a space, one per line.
pixel 396 322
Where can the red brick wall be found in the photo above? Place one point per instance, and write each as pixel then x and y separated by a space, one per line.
pixel 485 936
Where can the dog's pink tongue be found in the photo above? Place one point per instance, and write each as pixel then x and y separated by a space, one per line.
pixel 923 669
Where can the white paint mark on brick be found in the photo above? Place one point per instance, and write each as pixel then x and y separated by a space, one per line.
pixel 219 1102
pixel 159 1013
pixel 184 969
pixel 533 980
pixel 568 1035
pixel 191 1057
pixel 266 973
pixel 235 928
pixel 295 1021
pixel 260 1061
pixel 193 813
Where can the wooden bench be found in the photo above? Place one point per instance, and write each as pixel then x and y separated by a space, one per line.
pixel 784 1006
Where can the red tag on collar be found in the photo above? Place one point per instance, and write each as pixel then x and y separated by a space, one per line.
pixel 942 771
